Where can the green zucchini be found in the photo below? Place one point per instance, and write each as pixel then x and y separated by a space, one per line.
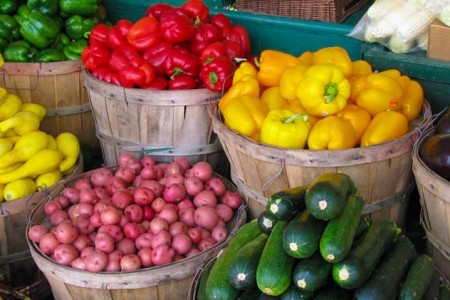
pixel 217 285
pixel 266 221
pixel 242 270
pixel 327 194
pixel 359 264
pixel 201 290
pixel 294 293
pixel 263 296
pixel 338 236
pixel 389 273
pixel 417 279
pixel 273 274
pixel 251 294
pixel 364 222
pixel 302 235
pixel 312 273
pixel 284 205
pixel 334 292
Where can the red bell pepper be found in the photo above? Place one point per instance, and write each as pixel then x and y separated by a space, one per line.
pixel 144 33
pixel 94 56
pixel 181 61
pixel 121 57
pixel 157 55
pixel 99 35
pixel 118 34
pixel 144 66
pixel 182 82
pixel 205 35
pixel 176 27
pixel 197 9
pixel 107 75
pixel 217 74
pixel 131 77
pixel 233 49
pixel 160 83
pixel 216 49
pixel 156 10
pixel 239 35
pixel 221 21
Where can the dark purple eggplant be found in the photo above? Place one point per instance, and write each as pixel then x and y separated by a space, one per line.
pixel 435 153
pixel 443 123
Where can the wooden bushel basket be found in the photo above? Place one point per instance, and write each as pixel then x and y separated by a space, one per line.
pixel 382 173
pixel 434 192
pixel 58 86
pixel 164 124
pixel 16 264
pixel 170 281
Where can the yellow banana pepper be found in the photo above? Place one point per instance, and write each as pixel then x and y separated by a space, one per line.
pixel 332 133
pixel 381 93
pixel 385 126
pixel 413 97
pixel 306 58
pixel 284 128
pixel 272 64
pixel 290 79
pixel 272 98
pixel 245 114
pixel 337 56
pixel 247 85
pixel 361 68
pixel 358 117
pixel 324 90
pixel 245 68
pixel 297 108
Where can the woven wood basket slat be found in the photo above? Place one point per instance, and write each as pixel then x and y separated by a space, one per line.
pixel 333 11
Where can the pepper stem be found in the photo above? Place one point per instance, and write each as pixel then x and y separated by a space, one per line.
pixel 331 91
pixel 293 118
pixel 213 78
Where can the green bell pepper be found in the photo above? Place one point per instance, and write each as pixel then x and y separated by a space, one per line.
pixel 47 7
pixel 19 51
pixel 3 44
pixel 73 50
pixel 49 55
pixel 8 6
pixel 77 27
pixel 38 29
pixel 9 28
pixel 60 41
pixel 78 7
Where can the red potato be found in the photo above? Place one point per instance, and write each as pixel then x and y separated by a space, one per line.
pixel 116 254
pixel 82 241
pixel 174 193
pixel 137 180
pixel 204 232
pixel 131 189
pixel 174 178
pixel 36 232
pixel 206 243
pixel 202 170
pixel 51 206
pixel 158 204
pixel 169 214
pixel 113 230
pixel 145 224
pixel 186 215
pixel 87 251
pixel 100 207
pixel 195 234
pixel 101 192
pixel 149 173
pixel 126 173
pixel 145 255
pixel 83 183
pixel 114 261
pixel 144 240
pixel 115 184
pixel 126 246
pixel 158 224
pixel 79 263
pixel 232 199
pixel 219 233
pixel 123 221
pixel 177 228
pixel 130 262
pixel 107 201
pixel 134 213
pixel 81 209
pixel 96 261
pixel 134 165
pixel 224 212
pixel 62 200
pixel 84 225
pixel 72 193
pixel 95 220
pixel 185 203
pixel 220 222
pixel 66 232
pixel 64 254
pixel 148 213
pixel 181 243
pixel 206 217
pixel 143 196
pixel 192 252
pixel 162 255
pixel 133 230
pixel 205 198
pixel 173 168
pixel 121 199
pixel 162 181
pixel 110 216
pixel 100 176
pixel 104 242
pixel 161 238
pixel 153 185
pixel 88 196
pixel 178 257
pixel 92 236
pixel 183 162
pixel 147 161
pixel 124 158
pixel 193 186
pixel 48 243
pixel 216 185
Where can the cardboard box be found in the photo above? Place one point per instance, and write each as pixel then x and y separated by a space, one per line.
pixel 439 41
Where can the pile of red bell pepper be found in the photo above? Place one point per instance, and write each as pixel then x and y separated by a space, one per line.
pixel 169 48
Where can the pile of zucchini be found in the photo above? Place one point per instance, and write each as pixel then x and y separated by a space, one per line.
pixel 312 242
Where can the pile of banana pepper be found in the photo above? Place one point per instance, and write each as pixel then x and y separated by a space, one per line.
pixel 319 100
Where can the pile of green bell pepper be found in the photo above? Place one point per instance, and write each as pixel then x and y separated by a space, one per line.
pixel 46 30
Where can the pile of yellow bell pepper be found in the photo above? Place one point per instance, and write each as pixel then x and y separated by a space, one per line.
pixel 319 100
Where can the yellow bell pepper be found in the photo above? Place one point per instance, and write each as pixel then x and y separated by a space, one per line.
pixel 272 98
pixel 247 85
pixel 337 56
pixel 361 68
pixel 324 90
pixel 332 133
pixel 272 64
pixel 381 93
pixel 297 108
pixel 290 79
pixel 358 117
pixel 413 97
pixel 306 58
pixel 393 73
pixel 2 60
pixel 284 128
pixel 385 126
pixel 245 114
pixel 245 68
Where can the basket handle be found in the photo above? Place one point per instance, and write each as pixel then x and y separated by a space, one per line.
pixel 22 89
